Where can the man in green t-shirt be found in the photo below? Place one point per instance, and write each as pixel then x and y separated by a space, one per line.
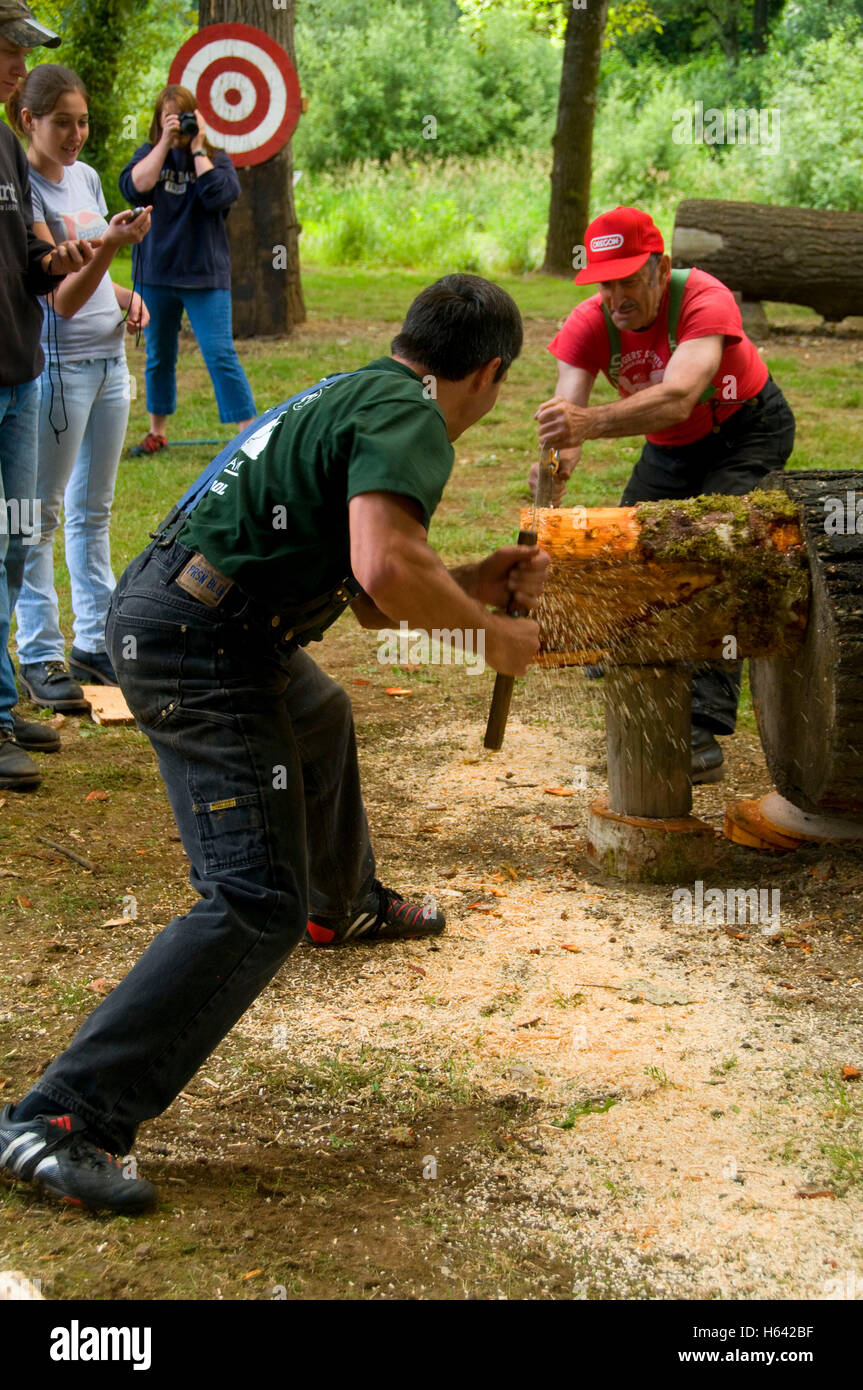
pixel 323 501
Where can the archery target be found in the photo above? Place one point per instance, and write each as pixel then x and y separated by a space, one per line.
pixel 246 89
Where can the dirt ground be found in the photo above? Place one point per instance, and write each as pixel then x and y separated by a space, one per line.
pixel 565 1096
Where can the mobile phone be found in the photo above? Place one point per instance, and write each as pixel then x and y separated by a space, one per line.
pixel 135 213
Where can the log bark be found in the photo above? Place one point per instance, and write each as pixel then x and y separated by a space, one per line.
pixel 265 281
pixel 809 702
pixel 672 581
pixel 794 255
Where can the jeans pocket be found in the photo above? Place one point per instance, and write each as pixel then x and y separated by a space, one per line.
pixel 230 830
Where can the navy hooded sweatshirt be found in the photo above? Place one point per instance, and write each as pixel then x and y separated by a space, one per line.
pixel 188 241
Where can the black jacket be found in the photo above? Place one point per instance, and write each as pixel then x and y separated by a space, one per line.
pixel 22 278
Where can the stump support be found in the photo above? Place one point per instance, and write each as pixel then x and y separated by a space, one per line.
pixel 643 829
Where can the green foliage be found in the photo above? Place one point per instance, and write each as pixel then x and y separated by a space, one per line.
pixel 388 77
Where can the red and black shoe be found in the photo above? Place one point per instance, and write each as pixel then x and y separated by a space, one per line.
pixel 383 916
pixel 54 1152
pixel 150 444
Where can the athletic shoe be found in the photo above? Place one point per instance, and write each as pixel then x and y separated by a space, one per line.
pixel 150 444
pixel 18 772
pixel 54 1152
pixel 49 684
pixel 93 668
pixel 35 736
pixel 383 916
pixel 707 758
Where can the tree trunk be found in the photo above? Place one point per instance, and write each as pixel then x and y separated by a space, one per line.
pixel 664 582
pixel 795 255
pixel 760 18
pixel 96 32
pixel 573 139
pixel 262 225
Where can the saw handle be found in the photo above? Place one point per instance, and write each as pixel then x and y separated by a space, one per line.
pixel 502 694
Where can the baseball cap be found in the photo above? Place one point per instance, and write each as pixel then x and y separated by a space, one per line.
pixel 18 26
pixel 618 244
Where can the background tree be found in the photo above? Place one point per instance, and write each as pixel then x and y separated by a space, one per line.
pixel 262 226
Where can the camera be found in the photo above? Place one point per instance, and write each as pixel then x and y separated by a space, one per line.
pixel 188 124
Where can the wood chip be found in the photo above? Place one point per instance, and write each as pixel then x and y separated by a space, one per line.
pixel 100 986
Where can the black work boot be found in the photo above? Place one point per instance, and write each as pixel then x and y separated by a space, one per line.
pixel 35 736
pixel 707 757
pixel 49 684
pixel 92 668
pixel 18 772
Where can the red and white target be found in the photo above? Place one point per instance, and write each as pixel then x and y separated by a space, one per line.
pixel 246 89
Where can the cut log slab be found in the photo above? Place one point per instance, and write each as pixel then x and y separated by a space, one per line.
pixel 107 704
pixel 672 581
pixel 809 701
pixel 795 255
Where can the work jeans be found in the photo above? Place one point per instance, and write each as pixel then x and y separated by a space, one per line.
pixel 19 416
pixel 256 747
pixel 734 459
pixel 79 469
pixel 210 315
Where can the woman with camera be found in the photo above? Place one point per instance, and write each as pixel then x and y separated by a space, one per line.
pixel 185 263
pixel 84 396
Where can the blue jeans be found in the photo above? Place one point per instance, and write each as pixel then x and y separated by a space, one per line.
pixel 19 416
pixel 257 750
pixel 82 468
pixel 210 316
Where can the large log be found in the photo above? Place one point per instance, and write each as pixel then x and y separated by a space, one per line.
pixel 672 581
pixel 795 255
pixel 809 700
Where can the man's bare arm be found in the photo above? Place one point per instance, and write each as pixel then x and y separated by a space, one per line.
pixel 407 581
pixel 690 370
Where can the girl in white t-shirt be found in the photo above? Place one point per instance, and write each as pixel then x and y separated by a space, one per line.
pixel 85 392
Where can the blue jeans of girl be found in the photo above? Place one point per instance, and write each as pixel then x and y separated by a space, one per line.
pixel 209 314
pixel 80 469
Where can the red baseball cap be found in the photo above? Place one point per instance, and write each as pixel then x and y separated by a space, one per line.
pixel 618 244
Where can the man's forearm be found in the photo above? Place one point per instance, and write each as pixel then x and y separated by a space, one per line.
pixel 655 408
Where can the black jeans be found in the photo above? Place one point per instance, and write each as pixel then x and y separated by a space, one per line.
pixel 257 750
pixel 733 459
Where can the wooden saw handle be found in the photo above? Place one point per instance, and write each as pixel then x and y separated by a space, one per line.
pixel 502 694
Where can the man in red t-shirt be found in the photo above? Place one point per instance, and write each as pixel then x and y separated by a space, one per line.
pixel 714 418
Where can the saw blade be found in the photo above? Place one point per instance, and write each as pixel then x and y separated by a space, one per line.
pixel 548 465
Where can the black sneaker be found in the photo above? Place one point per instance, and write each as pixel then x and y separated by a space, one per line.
pixel 49 684
pixel 92 668
pixel 383 916
pixel 35 736
pixel 18 772
pixel 54 1152
pixel 707 758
